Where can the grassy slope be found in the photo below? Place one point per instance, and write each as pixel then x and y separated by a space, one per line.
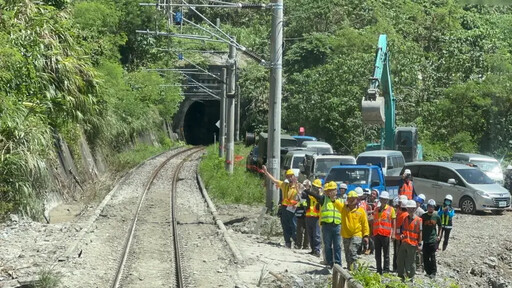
pixel 241 187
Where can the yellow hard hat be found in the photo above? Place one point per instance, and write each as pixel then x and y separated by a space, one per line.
pixel 289 172
pixel 317 183
pixel 352 194
pixel 331 186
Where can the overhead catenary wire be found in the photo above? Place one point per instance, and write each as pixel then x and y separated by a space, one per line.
pixel 221 2
pixel 202 87
pixel 198 85
pixel 194 64
pixel 230 40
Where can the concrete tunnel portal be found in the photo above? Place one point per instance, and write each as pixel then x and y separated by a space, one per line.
pixel 199 122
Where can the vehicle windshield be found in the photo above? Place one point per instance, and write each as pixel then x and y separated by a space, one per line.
pixel 323 165
pixel 475 176
pixel 296 161
pixel 349 175
pixel 487 166
pixel 374 160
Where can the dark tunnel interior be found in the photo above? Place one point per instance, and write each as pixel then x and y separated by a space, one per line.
pixel 199 125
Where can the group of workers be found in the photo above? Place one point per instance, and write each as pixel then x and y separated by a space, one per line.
pixel 364 221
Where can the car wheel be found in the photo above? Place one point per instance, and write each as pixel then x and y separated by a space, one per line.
pixel 498 212
pixel 467 205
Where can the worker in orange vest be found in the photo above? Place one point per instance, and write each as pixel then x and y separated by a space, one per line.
pixel 384 226
pixel 406 186
pixel 401 214
pixel 410 235
pixel 288 204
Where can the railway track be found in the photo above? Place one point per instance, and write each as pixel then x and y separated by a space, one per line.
pixel 146 256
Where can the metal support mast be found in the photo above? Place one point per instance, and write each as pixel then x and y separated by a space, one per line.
pixel 237 113
pixel 274 113
pixel 222 128
pixel 231 93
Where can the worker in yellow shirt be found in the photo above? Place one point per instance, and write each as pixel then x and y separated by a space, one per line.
pixel 354 228
pixel 288 205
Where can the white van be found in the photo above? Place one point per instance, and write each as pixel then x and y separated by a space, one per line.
pixel 292 160
pixel 318 147
pixel 318 165
pixel 391 161
pixel 490 166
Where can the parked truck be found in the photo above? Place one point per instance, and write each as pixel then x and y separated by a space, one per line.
pixel 287 142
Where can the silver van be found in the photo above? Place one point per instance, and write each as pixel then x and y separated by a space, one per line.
pixel 391 161
pixel 490 166
pixel 318 147
pixel 472 190
pixel 318 165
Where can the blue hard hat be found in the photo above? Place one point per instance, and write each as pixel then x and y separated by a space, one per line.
pixel 418 199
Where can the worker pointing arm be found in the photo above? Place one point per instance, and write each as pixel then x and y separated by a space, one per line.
pixel 269 176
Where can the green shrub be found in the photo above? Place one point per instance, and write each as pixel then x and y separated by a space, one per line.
pixel 371 279
pixel 242 187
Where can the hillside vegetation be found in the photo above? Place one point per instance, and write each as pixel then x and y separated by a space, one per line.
pixel 450 65
pixel 73 67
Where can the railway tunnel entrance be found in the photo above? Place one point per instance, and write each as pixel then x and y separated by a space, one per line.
pixel 199 123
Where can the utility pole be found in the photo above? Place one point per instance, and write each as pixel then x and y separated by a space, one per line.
pixel 231 93
pixel 274 111
pixel 222 128
pixel 222 124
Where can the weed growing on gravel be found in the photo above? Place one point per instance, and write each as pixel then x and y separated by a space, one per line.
pixel 241 188
pixel 47 279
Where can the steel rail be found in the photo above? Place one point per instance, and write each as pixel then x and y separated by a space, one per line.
pixel 176 240
pixel 120 268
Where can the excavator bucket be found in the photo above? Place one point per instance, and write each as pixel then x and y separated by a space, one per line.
pixel 372 108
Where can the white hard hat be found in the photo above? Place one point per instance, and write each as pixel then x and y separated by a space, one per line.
pixel 402 198
pixel 403 204
pixel 411 204
pixel 449 197
pixel 396 201
pixel 431 202
pixel 422 196
pixel 384 195
pixel 343 186
pixel 359 191
pixel 407 172
pixel 306 182
pixel 366 191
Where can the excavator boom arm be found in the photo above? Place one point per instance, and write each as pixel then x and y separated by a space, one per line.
pixel 378 105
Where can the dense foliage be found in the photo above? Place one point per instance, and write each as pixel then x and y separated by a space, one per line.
pixel 450 68
pixel 61 72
